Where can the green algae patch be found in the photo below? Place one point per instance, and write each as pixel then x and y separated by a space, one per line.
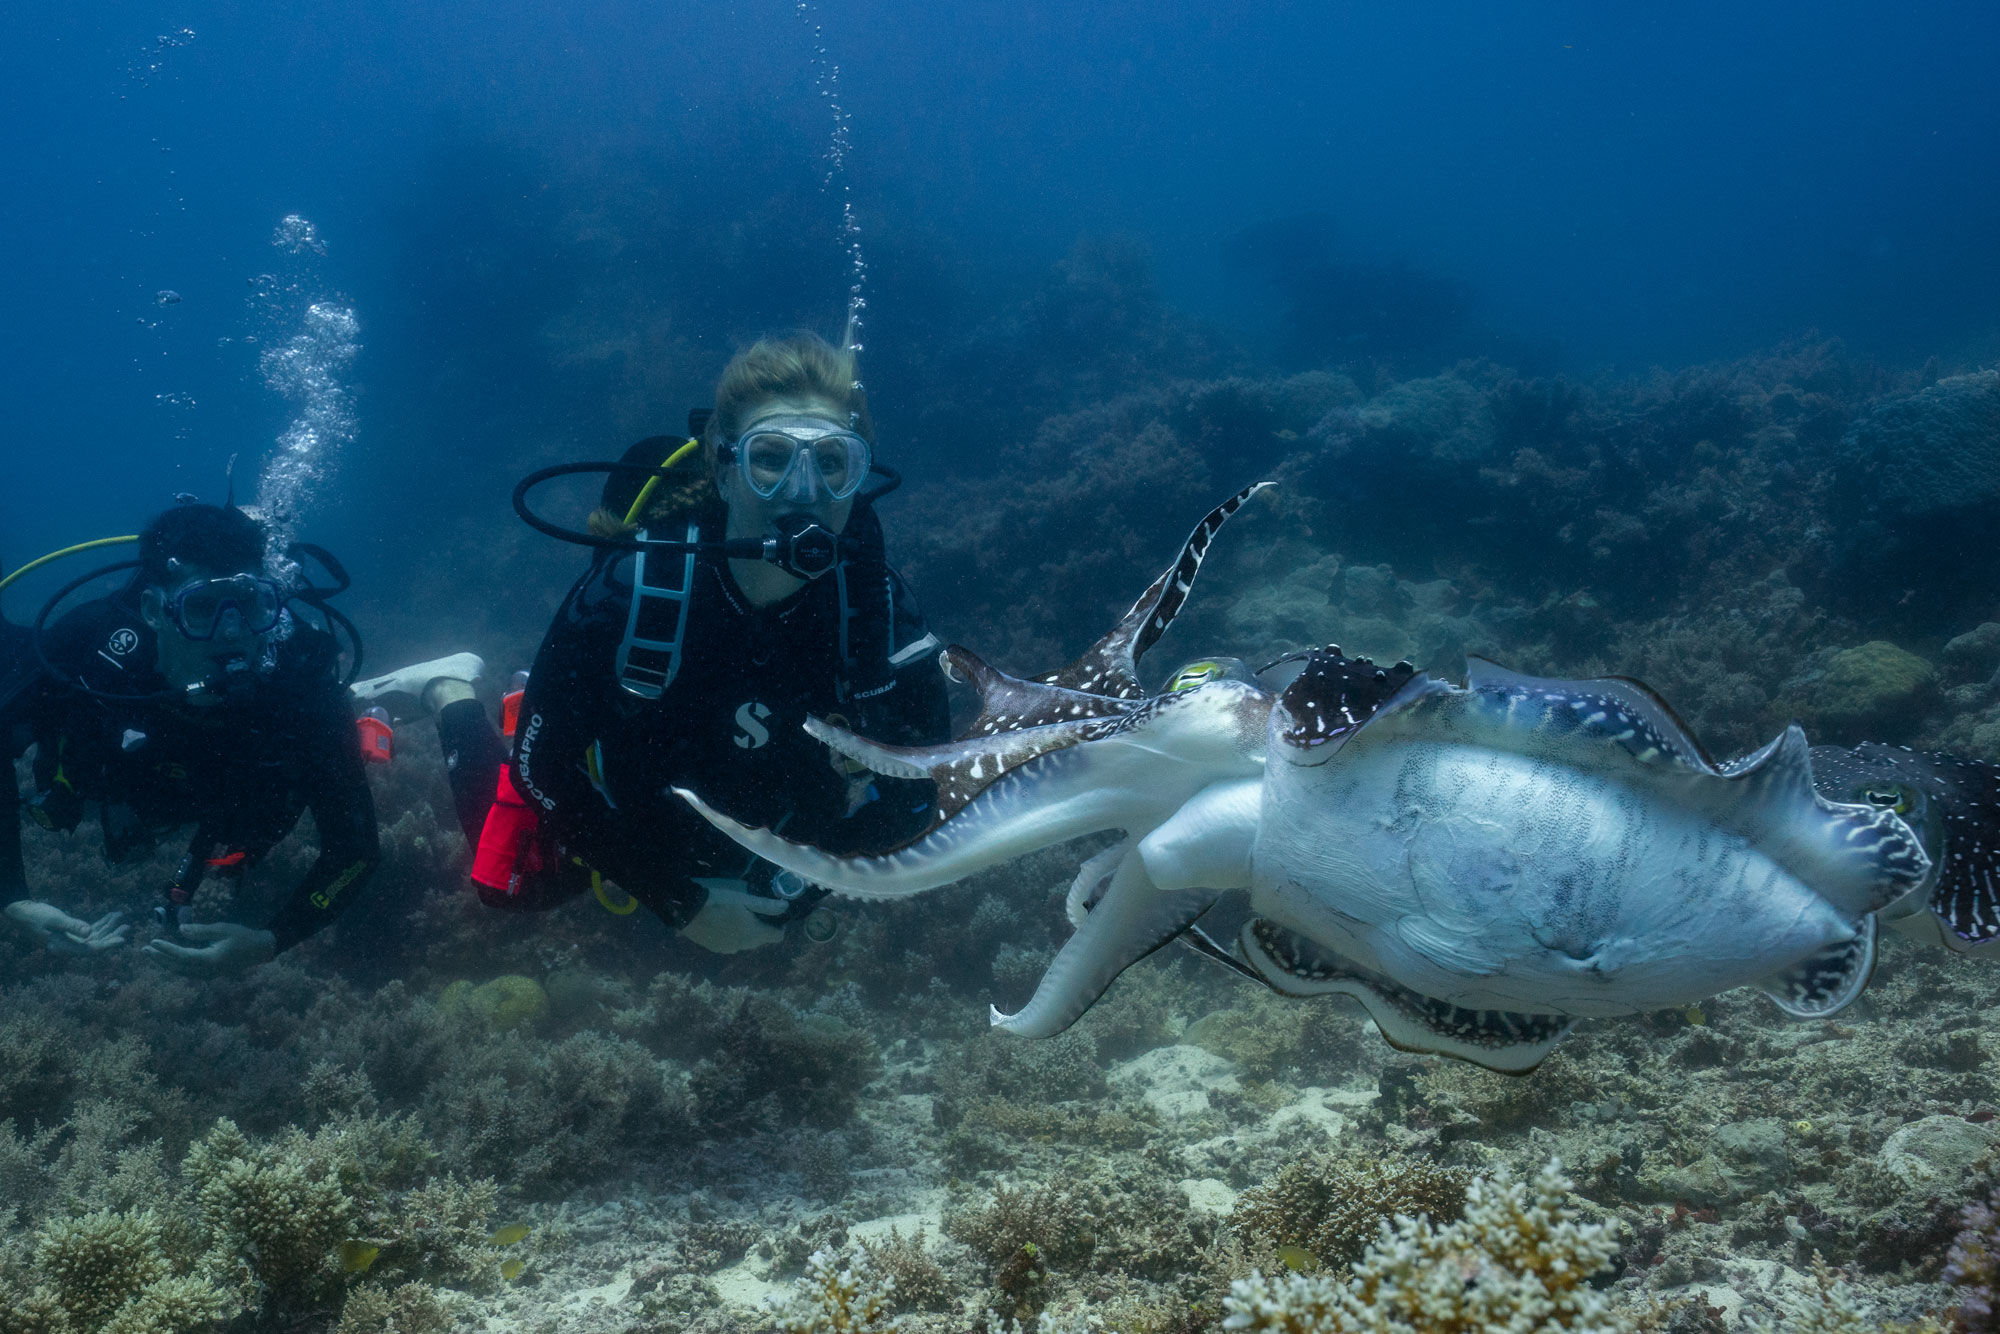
pixel 506 1003
pixel 1871 689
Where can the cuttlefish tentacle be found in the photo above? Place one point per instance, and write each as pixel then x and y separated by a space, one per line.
pixel 1178 872
pixel 1130 920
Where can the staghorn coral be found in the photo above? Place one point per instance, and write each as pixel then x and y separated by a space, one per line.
pixel 272 1217
pixel 107 1273
pixel 1334 1202
pixel 411 1308
pixel 1052 1218
pixel 98 1262
pixel 920 1282
pixel 1520 1261
pixel 834 1298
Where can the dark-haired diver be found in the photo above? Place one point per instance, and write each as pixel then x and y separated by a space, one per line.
pixel 193 696
pixel 705 683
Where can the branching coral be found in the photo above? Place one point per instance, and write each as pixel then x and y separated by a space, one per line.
pixel 411 1308
pixel 834 1298
pixel 1831 1308
pixel 1334 1203
pixel 920 1282
pixel 1520 1261
pixel 272 1218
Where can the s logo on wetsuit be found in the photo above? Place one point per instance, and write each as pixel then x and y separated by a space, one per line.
pixel 750 718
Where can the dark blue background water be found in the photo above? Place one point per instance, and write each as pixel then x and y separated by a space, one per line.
pixel 555 222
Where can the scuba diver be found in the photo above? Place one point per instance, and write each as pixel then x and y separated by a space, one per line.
pixel 734 599
pixel 192 696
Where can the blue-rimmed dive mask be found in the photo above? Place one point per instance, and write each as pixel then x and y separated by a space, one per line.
pixel 795 458
pixel 234 605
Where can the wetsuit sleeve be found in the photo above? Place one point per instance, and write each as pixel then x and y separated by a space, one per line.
pixel 336 790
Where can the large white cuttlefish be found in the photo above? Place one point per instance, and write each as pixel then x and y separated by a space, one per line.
pixel 1477 864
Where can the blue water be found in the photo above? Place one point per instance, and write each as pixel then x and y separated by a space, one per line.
pixel 555 222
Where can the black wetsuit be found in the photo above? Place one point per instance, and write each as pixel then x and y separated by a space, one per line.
pixel 598 763
pixel 240 772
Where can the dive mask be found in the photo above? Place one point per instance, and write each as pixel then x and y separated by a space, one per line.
pixel 201 606
pixel 793 457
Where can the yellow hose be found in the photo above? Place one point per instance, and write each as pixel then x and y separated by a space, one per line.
pixel 40 561
pixel 621 909
pixel 646 491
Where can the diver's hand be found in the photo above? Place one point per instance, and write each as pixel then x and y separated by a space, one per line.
pixel 51 926
pixel 234 949
pixel 731 921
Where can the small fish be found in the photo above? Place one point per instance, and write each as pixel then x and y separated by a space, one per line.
pixel 511 1269
pixel 508 1235
pixel 1298 1258
pixel 1694 1015
pixel 1287 434
pixel 356 1256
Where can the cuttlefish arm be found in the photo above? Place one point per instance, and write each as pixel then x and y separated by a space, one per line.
pixel 1161 884
pixel 1111 665
pixel 1135 773
pixel 1054 796
pixel 1021 719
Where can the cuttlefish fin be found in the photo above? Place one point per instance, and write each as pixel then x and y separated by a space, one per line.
pixel 1658 733
pixel 1111 665
pixel 1499 1040
pixel 1859 857
pixel 1131 919
pixel 1825 983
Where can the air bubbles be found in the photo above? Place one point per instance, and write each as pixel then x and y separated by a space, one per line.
pixel 166 296
pixel 306 367
pixel 176 400
pixel 297 236
pixel 826 77
pixel 154 58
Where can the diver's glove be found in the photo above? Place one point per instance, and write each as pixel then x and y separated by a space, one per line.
pixel 233 949
pixel 51 926
pixel 731 921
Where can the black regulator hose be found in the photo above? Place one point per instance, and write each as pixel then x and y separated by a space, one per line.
pixel 735 548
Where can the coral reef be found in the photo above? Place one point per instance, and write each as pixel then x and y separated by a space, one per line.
pixel 1332 1203
pixel 840 1299
pixel 337 1139
pixel 1521 1259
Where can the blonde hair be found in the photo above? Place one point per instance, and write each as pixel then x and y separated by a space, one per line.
pixel 799 365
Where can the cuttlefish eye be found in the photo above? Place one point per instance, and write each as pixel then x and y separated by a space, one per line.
pixel 1195 674
pixel 1891 796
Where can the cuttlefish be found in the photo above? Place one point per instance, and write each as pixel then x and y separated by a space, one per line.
pixel 1478 864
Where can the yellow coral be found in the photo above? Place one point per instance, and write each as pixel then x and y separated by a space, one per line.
pixel 1520 1260
pixel 506 1003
